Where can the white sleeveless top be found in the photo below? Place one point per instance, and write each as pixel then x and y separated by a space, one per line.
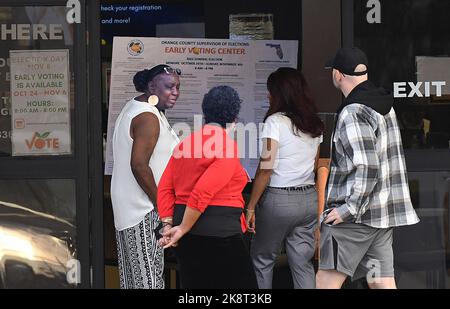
pixel 130 203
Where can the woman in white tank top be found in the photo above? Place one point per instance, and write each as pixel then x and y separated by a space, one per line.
pixel 142 145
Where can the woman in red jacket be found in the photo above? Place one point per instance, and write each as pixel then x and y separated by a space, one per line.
pixel 200 194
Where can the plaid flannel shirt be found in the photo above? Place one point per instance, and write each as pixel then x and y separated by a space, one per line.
pixel 368 181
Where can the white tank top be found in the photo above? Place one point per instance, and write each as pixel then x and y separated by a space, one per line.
pixel 130 203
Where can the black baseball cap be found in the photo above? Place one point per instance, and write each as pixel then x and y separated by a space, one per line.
pixel 347 59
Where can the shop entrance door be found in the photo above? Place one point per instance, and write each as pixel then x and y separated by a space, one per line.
pixel 50 231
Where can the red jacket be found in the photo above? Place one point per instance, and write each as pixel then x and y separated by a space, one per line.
pixel 204 170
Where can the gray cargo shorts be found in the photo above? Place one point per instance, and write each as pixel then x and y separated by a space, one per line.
pixel 356 250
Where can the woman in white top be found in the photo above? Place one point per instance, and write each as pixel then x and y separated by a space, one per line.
pixel 143 142
pixel 283 187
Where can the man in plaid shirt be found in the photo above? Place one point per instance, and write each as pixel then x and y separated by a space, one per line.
pixel 368 190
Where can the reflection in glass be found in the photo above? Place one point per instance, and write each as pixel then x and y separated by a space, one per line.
pixel 421 251
pixel 410 31
pixel 38 237
pixel 329 120
pixel 31 28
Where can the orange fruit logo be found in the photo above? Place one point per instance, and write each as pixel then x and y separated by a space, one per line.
pixel 40 141
pixel 135 47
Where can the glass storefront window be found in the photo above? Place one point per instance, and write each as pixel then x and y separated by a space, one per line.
pixel 38 234
pixel 421 251
pixel 409 53
pixel 36 81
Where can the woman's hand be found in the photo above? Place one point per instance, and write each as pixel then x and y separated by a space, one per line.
pixel 164 240
pixel 250 219
pixel 172 236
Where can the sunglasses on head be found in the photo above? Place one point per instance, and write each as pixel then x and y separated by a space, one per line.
pixel 170 70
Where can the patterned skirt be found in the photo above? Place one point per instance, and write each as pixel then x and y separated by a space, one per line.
pixel 141 259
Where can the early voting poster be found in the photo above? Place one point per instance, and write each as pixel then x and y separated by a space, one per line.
pixel 204 63
pixel 40 112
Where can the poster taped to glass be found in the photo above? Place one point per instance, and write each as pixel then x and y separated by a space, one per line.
pixel 40 111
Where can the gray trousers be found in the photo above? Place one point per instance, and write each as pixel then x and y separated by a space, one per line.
pixel 285 218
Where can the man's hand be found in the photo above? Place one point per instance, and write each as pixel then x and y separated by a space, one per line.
pixel 333 218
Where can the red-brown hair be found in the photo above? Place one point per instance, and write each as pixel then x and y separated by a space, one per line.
pixel 290 96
